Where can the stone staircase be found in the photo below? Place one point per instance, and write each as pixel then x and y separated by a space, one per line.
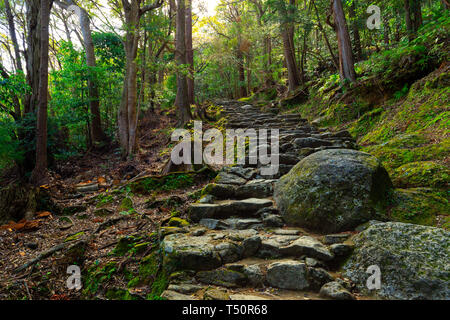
pixel 239 247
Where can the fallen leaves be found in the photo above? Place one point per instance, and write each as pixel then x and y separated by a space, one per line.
pixel 27 225
pixel 22 225
pixel 43 214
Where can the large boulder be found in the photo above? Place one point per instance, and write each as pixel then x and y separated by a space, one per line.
pixel 334 191
pixel 413 259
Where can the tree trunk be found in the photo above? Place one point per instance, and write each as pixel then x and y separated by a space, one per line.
pixel 33 54
pixel 408 20
pixel 96 126
pixel 39 172
pixel 327 42
pixel 12 31
pixel 346 62
pixel 417 11
pixel 182 100
pixel 128 114
pixel 355 30
pixel 190 54
pixel 241 71
pixel 268 59
pixel 96 131
pixel 287 33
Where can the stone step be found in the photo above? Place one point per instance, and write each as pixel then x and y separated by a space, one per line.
pixel 228 209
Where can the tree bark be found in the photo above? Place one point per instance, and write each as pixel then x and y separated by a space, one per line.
pixel 355 30
pixel 408 20
pixel 97 134
pixel 128 114
pixel 12 31
pixel 39 172
pixel 346 61
pixel 182 100
pixel 33 54
pixel 417 11
pixel 241 70
pixel 287 33
pixel 327 42
pixel 190 54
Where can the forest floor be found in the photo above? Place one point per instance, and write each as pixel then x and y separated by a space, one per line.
pixel 21 242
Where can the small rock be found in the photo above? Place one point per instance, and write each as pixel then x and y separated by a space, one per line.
pixel 310 247
pixel 334 290
pixel 216 295
pixel 254 275
pixel 172 295
pixel 229 252
pixel 287 232
pixel 207 199
pixel 214 224
pixel 313 263
pixel 184 288
pixel 198 232
pixel 289 275
pixel 251 246
pixel 255 189
pixel 228 178
pixel 246 297
pixel 222 277
pixel 341 251
pixel 274 221
pixel 335 238
pixel 318 277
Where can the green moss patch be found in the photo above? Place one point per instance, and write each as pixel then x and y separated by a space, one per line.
pixel 421 174
pixel 418 207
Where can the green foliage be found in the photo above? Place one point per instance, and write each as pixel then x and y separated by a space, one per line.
pixel 165 183
pixel 418 206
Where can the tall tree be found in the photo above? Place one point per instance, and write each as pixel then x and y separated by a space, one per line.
pixel 346 60
pixel 40 169
pixel 355 31
pixel 190 54
pixel 32 54
pixel 128 117
pixel 97 133
pixel 287 34
pixel 12 32
pixel 182 99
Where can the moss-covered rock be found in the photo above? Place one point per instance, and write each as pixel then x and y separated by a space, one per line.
pixel 128 243
pixel 421 174
pixel 413 260
pixel 223 277
pixel 334 191
pixel 178 222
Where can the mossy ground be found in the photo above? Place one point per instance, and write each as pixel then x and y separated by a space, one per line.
pixel 146 271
